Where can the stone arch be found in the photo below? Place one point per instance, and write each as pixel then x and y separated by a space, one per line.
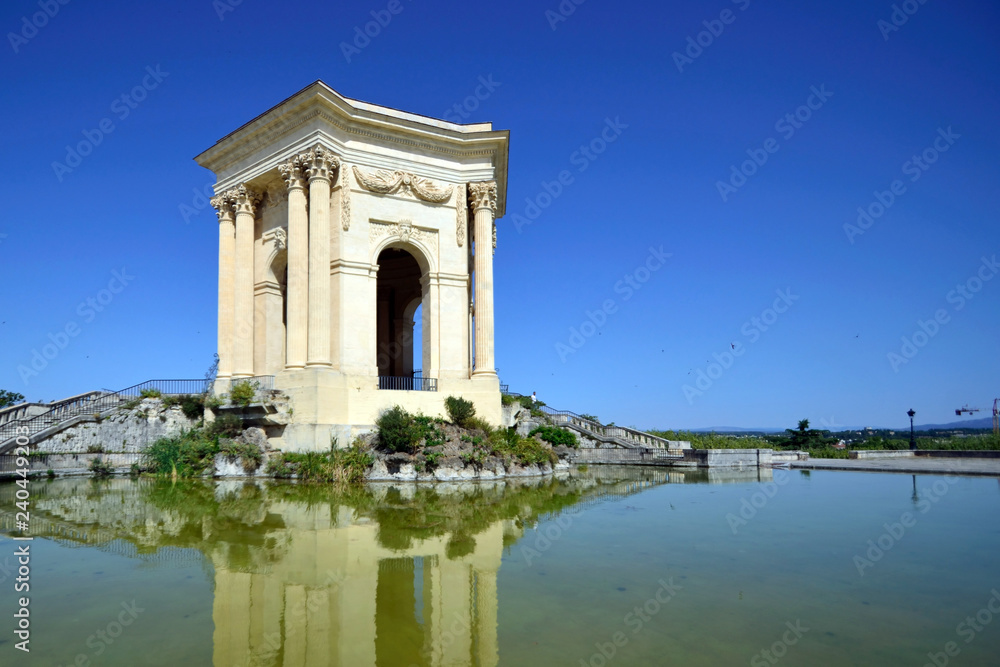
pixel 274 308
pixel 401 287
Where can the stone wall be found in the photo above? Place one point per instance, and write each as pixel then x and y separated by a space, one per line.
pixel 126 431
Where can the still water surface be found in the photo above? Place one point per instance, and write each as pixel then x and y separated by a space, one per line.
pixel 616 566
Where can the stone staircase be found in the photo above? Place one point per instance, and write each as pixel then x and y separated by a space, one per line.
pixel 615 436
pixel 37 421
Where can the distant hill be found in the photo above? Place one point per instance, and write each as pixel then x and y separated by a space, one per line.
pixel 982 422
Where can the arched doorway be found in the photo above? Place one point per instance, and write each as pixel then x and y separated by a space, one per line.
pixel 399 297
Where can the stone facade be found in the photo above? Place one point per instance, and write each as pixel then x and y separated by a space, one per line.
pixel 338 219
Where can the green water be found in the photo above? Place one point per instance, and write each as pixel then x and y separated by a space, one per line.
pixel 616 566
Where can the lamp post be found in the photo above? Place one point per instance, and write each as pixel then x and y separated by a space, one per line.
pixel 913 443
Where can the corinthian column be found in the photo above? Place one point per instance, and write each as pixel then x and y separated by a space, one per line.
pixel 319 164
pixel 297 305
pixel 227 284
pixel 483 198
pixel 245 201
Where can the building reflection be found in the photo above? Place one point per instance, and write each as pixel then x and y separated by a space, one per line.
pixel 339 596
pixel 386 575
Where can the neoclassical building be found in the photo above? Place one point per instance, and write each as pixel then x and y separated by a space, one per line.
pixel 339 223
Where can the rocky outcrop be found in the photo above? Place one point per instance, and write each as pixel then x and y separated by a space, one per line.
pixel 124 430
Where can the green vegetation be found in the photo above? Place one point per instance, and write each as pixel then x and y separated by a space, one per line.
pixel 804 438
pixel 338 466
pixel 100 468
pixel 187 455
pixel 8 398
pixel 249 454
pixel 508 444
pixel 460 410
pixel 192 405
pixel 715 440
pixel 397 430
pixel 556 436
pixel 150 392
pixel 95 449
pixel 243 392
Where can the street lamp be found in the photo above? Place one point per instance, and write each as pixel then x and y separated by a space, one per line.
pixel 913 443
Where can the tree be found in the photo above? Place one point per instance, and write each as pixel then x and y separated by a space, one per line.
pixel 807 438
pixel 8 398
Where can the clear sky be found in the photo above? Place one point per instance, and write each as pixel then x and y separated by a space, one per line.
pixel 737 137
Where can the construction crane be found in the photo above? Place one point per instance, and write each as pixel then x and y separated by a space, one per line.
pixel 960 411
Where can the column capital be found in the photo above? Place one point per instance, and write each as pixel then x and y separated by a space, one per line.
pixel 241 199
pixel 223 207
pixel 292 172
pixel 483 195
pixel 319 163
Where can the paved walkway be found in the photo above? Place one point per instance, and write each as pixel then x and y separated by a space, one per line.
pixel 922 465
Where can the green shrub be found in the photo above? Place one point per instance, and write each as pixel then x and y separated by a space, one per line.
pixel 100 468
pixel 479 424
pixel 193 405
pixel 170 401
pixel 213 402
pixel 339 466
pixel 510 445
pixel 150 392
pixel 95 449
pixel 243 392
pixel 556 436
pixel 507 399
pixel 397 430
pixel 187 455
pixel 460 410
pixel 50 473
pixel 249 455
pixel 226 425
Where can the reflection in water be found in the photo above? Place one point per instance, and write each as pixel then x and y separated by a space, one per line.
pixel 382 575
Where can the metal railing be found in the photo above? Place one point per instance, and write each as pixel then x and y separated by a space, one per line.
pixel 94 403
pixel 406 383
pixel 618 434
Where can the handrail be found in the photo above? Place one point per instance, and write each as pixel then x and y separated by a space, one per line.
pixel 406 383
pixel 94 402
pixel 620 433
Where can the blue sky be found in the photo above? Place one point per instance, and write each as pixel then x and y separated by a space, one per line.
pixel 645 109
